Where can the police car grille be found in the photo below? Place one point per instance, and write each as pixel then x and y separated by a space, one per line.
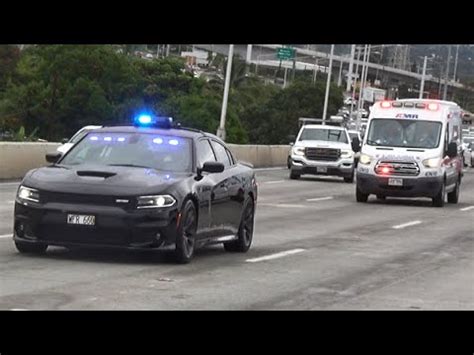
pixel 397 168
pixel 323 154
pixel 86 199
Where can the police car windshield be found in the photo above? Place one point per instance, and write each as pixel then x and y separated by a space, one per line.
pixel 159 152
pixel 404 133
pixel 321 134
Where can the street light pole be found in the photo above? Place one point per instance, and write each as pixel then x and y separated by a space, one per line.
pixel 339 78
pixel 445 93
pixel 365 74
pixel 351 67
pixel 361 86
pixel 356 73
pixel 456 63
pixel 422 86
pixel 315 72
pixel 328 84
pixel 221 130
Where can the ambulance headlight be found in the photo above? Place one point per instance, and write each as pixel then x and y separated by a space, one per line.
pixel 298 151
pixel 432 163
pixel 365 159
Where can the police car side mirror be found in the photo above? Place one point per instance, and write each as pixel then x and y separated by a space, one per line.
pixel 64 140
pixel 53 157
pixel 292 144
pixel 212 167
pixel 355 144
pixel 452 150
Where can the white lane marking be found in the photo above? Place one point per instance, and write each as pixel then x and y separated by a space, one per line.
pixel 275 256
pixel 282 205
pixel 273 182
pixel 319 199
pixel 18 309
pixel 270 169
pixel 6 236
pixel 467 208
pixel 408 224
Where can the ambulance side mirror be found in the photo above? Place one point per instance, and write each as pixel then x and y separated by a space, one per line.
pixel 452 150
pixel 355 144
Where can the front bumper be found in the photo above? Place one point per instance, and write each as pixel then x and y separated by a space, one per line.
pixel 412 186
pixel 342 167
pixel 114 226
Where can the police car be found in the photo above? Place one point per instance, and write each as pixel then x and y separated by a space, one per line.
pixel 148 185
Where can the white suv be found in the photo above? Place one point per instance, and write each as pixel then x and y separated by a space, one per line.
pixel 323 150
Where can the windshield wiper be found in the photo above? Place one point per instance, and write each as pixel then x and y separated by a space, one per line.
pixel 132 166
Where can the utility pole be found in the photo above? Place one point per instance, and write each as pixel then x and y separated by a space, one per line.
pixel 422 86
pixel 328 84
pixel 221 130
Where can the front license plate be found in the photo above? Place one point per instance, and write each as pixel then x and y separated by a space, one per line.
pixel 85 220
pixel 322 169
pixel 395 182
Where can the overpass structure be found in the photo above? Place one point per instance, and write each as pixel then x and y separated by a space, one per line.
pixel 266 50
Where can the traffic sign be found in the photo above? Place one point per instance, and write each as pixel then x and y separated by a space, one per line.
pixel 285 53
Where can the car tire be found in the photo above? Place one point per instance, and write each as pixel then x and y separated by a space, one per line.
pixel 29 248
pixel 453 197
pixel 349 179
pixel 438 200
pixel 288 163
pixel 186 233
pixel 246 228
pixel 294 176
pixel 360 196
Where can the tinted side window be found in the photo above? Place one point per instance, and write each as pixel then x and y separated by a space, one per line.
pixel 231 157
pixel 204 152
pixel 221 154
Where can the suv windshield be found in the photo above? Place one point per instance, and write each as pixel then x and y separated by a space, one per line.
pixel 321 134
pixel 159 152
pixel 404 133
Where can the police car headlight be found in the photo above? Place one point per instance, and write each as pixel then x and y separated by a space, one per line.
pixel 432 163
pixel 346 153
pixel 155 201
pixel 28 194
pixel 365 159
pixel 298 150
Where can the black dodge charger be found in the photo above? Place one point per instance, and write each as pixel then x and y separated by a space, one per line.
pixel 147 185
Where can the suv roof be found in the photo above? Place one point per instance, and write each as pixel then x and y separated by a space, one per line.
pixel 320 126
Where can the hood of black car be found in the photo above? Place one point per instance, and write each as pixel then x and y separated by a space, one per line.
pixel 103 180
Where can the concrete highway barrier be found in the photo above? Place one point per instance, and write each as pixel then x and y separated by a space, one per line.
pixel 16 158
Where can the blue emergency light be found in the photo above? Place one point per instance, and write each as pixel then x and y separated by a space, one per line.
pixel 150 120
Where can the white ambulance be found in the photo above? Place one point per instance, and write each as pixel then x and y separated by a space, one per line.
pixel 412 148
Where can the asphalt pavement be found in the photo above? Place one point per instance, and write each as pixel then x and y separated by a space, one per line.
pixel 314 248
